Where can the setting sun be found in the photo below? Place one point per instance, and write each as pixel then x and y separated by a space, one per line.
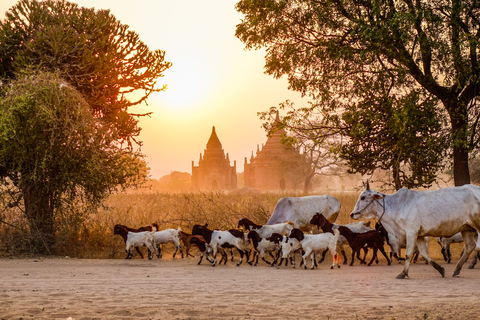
pixel 186 85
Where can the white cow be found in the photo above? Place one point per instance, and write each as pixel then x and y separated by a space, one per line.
pixel 418 214
pixel 300 210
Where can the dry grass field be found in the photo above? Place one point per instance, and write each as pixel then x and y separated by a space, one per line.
pixel 93 237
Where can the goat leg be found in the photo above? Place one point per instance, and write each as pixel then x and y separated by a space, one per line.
pixel 375 249
pixel 323 256
pixel 139 252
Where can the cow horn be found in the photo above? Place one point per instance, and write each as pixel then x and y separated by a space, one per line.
pixel 367 186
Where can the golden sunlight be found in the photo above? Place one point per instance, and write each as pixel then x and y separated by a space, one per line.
pixel 186 85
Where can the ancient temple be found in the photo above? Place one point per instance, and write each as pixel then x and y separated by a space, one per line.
pixel 214 171
pixel 271 167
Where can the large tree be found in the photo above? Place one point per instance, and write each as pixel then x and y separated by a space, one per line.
pixel 92 50
pixel 336 51
pixel 52 150
pixel 72 135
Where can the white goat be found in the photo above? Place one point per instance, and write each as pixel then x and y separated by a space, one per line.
pixel 167 236
pixel 216 239
pixel 262 246
pixel 311 244
pixel 279 240
pixel 142 239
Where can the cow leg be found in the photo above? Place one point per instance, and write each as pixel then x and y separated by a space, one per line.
pixel 474 261
pixel 410 247
pixel 423 249
pixel 469 244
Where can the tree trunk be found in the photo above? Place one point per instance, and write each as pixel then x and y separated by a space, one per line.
pixel 461 172
pixel 39 213
pixel 396 176
pixel 458 118
pixel 307 184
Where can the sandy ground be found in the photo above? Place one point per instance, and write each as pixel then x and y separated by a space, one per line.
pixel 63 288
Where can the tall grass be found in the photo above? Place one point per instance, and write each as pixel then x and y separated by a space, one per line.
pixel 93 237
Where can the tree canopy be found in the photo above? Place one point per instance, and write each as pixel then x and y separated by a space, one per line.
pixel 340 51
pixel 66 132
pixel 94 52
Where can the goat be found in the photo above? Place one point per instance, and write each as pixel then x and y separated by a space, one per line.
pixel 445 244
pixel 201 244
pixel 320 221
pixel 278 239
pixel 186 237
pixel 142 238
pixel 394 243
pixel 122 230
pixel 261 246
pixel 224 239
pixel 265 231
pixel 371 239
pixel 166 236
pixel 311 244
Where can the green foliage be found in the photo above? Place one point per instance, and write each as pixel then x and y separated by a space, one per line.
pixel 54 152
pixel 340 52
pixel 403 137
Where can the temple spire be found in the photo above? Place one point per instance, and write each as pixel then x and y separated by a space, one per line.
pixel 214 142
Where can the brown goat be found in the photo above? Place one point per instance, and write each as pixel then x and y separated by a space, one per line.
pixel 322 223
pixel 185 237
pixel 371 239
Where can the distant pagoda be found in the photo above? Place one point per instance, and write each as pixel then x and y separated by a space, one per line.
pixel 214 171
pixel 270 168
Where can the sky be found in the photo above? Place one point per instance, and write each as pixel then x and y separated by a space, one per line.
pixel 213 81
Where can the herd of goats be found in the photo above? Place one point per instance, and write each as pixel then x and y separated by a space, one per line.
pixel 280 240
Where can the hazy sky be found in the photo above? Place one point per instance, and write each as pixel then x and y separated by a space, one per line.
pixel 213 80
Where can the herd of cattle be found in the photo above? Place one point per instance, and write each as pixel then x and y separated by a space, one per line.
pixel 405 219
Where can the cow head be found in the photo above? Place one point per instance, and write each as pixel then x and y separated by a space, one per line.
pixel 369 204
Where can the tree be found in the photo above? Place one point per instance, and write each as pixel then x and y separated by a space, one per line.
pixel 52 150
pixel 93 51
pixel 71 136
pixel 404 137
pixel 338 51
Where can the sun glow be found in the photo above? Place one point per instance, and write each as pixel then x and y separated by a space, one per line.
pixel 187 85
